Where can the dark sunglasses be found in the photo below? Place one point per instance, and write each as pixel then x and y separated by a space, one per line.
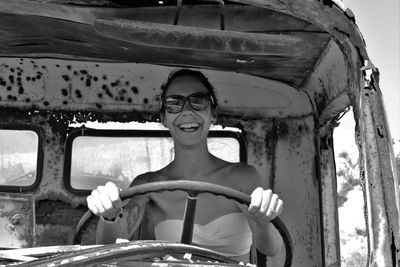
pixel 175 103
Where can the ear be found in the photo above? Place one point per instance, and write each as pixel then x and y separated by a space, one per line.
pixel 214 115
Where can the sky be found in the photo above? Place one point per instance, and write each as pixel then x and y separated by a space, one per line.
pixel 379 23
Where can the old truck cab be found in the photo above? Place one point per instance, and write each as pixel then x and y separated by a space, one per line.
pixel 80 84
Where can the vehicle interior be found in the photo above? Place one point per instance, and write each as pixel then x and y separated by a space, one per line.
pixel 80 85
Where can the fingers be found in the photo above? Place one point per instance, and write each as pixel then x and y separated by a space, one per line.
pixel 265 205
pixel 104 200
pixel 256 200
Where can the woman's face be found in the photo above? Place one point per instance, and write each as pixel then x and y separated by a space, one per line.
pixel 188 127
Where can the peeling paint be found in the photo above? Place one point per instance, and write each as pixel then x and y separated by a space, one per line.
pixel 17 220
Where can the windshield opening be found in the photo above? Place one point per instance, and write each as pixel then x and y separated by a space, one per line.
pixel 96 156
pixel 19 154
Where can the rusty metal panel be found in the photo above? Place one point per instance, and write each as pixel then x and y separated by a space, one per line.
pixel 283 151
pixel 377 169
pixel 67 31
pixel 329 206
pixel 327 81
pixel 17 220
pixel 297 183
pixel 52 84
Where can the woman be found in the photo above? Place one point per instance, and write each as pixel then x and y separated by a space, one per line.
pixel 189 108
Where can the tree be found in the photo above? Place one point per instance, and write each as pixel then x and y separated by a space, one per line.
pixel 348 171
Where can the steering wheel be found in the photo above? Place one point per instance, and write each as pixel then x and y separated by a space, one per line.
pixel 193 188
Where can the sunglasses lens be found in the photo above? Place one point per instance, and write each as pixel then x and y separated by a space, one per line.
pixel 199 102
pixel 173 105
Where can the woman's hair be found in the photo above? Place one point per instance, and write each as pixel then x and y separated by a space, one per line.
pixel 194 73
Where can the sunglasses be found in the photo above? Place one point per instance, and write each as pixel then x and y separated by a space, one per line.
pixel 175 103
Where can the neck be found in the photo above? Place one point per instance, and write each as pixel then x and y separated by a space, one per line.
pixel 191 162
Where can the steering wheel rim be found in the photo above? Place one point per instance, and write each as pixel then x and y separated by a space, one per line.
pixel 193 188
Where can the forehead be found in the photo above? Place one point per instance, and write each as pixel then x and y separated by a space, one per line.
pixel 186 85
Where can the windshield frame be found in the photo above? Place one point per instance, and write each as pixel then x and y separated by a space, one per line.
pixel 79 132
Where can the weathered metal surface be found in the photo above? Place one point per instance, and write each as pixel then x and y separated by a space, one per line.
pixel 69 36
pixel 17 220
pixel 380 185
pixel 131 252
pixel 328 83
pixel 290 165
pixel 163 36
pixel 329 203
pixel 50 84
pixel 56 222
pixel 324 14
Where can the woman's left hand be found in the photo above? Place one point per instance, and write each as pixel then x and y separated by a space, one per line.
pixel 265 206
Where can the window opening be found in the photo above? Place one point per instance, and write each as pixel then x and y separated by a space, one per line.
pixel 18 158
pixel 94 157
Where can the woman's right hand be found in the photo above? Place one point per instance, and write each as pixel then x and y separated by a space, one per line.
pixel 105 201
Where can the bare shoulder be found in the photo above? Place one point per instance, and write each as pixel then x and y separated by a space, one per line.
pixel 245 177
pixel 147 177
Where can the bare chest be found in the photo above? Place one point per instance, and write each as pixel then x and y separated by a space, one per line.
pixel 171 205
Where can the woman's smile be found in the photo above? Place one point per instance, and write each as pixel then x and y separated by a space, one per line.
pixel 189 127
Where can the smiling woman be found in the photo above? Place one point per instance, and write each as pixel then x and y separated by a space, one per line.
pixel 189 107
pixel 283 75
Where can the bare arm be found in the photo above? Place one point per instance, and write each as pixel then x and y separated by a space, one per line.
pixel 118 219
pixel 124 225
pixel 265 206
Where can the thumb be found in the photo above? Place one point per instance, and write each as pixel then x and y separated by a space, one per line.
pixel 244 209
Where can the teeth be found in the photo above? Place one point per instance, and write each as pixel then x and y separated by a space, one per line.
pixel 189 125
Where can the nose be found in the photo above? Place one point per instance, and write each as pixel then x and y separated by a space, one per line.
pixel 187 107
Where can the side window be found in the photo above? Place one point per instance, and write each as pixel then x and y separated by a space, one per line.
pixel 96 157
pixel 19 154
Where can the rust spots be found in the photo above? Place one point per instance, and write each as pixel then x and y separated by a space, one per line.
pixel 65 77
pixel 135 90
pixel 115 83
pixel 39 75
pixel 78 93
pixel 64 92
pixel 282 128
pixel 107 90
pixel 2 82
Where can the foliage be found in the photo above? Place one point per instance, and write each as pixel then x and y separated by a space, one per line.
pixel 353 234
pixel 348 171
pixel 356 259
